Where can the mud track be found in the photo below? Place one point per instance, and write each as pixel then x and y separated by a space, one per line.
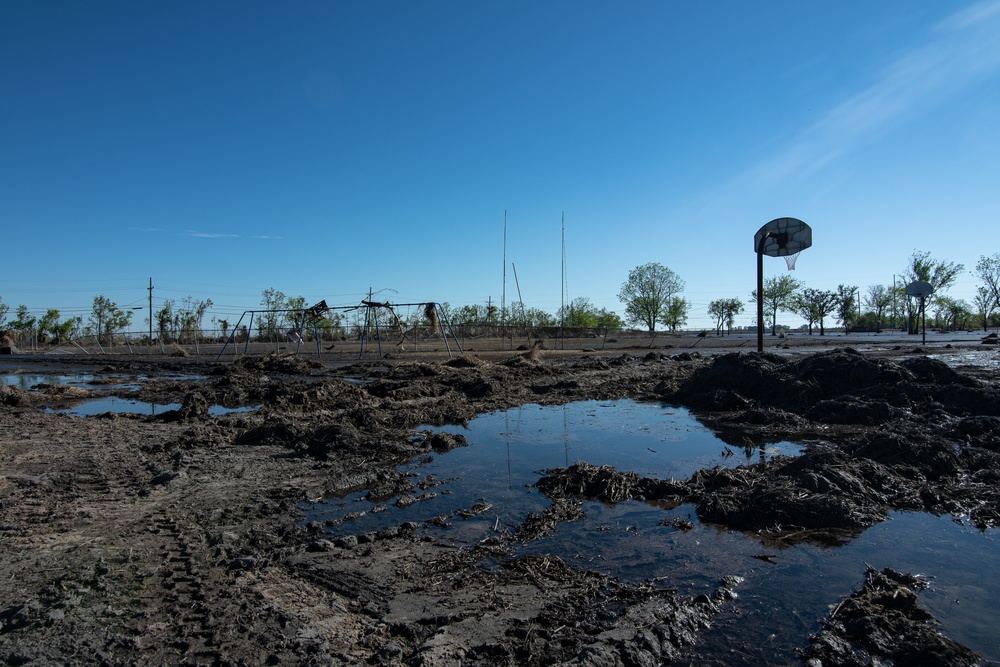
pixel 179 538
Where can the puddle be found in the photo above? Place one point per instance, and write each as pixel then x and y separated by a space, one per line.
pixel 102 404
pixel 783 596
pixel 984 358
pixel 28 381
pixel 508 450
pixel 98 406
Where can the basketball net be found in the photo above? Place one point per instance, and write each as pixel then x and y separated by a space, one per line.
pixel 790 260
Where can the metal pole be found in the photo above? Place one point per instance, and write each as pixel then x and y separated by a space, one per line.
pixel 150 311
pixel 923 320
pixel 760 295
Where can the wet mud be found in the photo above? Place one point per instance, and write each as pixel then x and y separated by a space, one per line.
pixel 179 538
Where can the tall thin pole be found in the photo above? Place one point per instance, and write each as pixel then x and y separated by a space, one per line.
pixel 562 275
pixel 503 292
pixel 519 298
pixel 150 310
pixel 760 295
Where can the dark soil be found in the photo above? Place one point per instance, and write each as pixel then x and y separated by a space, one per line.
pixel 179 538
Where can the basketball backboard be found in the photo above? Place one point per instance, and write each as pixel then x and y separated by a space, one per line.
pixel 782 236
pixel 919 288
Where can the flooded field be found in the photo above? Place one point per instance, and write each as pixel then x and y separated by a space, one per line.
pixel 647 507
pixel 471 493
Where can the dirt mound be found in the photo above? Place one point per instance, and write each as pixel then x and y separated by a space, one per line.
pixel 280 363
pixel 841 386
pixel 883 622
pixel 605 483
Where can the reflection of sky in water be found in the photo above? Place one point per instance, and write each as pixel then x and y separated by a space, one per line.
pixel 508 450
pixel 989 358
pixel 98 406
pixel 26 381
pixel 780 602
pixel 102 404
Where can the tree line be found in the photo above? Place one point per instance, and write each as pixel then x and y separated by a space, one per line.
pixel 887 306
pixel 652 295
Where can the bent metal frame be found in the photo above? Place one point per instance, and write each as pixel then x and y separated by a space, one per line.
pixel 313 314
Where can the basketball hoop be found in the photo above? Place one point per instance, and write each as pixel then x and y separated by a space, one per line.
pixel 782 237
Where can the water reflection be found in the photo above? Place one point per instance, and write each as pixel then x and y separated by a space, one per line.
pixel 786 591
pixel 508 451
pixel 117 405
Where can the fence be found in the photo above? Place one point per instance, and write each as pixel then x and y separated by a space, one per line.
pixel 207 342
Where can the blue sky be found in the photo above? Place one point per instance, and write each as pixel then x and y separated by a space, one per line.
pixel 325 148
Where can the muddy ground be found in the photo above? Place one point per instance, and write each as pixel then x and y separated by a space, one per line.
pixel 179 538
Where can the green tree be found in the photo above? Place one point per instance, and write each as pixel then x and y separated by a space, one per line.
pixel 4 309
pixel 725 311
pixel 879 299
pixel 272 317
pixel 847 306
pixel 582 313
pixel 675 315
pixel 953 314
pixel 106 318
pixel 165 321
pixel 988 270
pixel 815 306
pixel 779 294
pixel 647 294
pixel 50 328
pixel 24 320
pixel 940 274
pixel 986 304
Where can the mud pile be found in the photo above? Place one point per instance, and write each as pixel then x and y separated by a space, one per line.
pixel 882 622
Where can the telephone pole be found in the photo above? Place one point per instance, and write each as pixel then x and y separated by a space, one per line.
pixel 150 311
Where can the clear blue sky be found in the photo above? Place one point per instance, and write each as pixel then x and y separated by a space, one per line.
pixel 325 148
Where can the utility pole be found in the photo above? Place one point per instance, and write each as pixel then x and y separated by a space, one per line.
pixel 150 311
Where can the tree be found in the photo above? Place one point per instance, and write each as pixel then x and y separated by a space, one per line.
pixel 579 313
pixel 939 274
pixel 270 320
pixel 647 294
pixel 675 315
pixel 815 306
pixel 725 311
pixel 847 306
pixel 953 314
pixel 49 326
pixel 988 270
pixel 4 309
pixel 879 299
pixel 986 304
pixel 106 317
pixel 164 320
pixel 779 294
pixel 25 321
pixel 582 313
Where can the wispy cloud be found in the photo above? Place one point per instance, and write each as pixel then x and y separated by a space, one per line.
pixel 203 235
pixel 959 52
pixel 210 235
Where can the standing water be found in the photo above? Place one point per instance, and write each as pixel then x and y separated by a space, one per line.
pixel 786 591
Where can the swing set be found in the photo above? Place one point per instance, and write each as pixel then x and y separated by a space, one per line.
pixel 312 316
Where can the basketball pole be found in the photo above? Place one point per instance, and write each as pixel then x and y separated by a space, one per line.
pixel 760 292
